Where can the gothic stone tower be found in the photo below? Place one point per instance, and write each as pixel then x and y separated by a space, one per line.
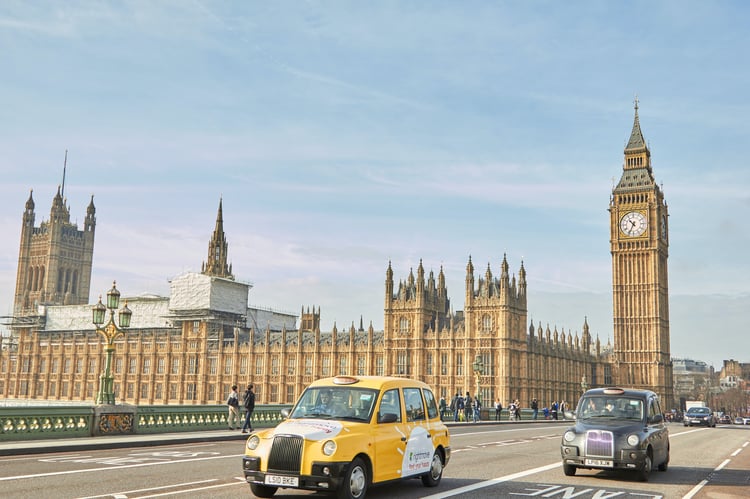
pixel 218 251
pixel 417 307
pixel 639 243
pixel 54 260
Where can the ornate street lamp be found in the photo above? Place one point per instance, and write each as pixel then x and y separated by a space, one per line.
pixel 584 385
pixel 110 331
pixel 478 366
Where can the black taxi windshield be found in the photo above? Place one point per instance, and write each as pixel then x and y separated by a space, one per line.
pixel 336 402
pixel 610 407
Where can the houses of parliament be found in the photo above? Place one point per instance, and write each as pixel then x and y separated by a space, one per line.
pixel 191 347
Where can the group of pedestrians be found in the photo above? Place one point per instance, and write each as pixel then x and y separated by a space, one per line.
pixel 248 402
pixel 461 411
pixel 465 408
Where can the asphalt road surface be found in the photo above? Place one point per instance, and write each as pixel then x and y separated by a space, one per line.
pixel 512 460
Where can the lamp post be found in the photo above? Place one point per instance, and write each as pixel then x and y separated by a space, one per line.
pixel 110 331
pixel 478 366
pixel 584 385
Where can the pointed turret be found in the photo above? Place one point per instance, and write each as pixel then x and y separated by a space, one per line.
pixel 59 213
pixel 469 283
pixel 637 173
pixel 218 250
pixel 90 223
pixel 388 286
pixel 636 143
pixel 28 215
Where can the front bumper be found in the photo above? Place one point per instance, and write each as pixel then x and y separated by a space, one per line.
pixel 696 422
pixel 326 476
pixel 624 459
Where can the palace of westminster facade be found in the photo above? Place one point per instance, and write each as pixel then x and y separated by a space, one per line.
pixel 190 347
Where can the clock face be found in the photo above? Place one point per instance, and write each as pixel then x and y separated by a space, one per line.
pixel 633 224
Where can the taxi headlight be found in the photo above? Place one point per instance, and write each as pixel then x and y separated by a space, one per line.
pixel 329 447
pixel 253 442
pixel 569 436
pixel 633 440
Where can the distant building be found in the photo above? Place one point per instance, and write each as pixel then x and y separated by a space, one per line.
pixel 190 347
pixel 691 378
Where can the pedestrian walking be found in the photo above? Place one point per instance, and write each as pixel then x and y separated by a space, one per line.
pixel 456 407
pixel 468 407
pixel 477 409
pixel 248 400
pixel 443 408
pixel 534 409
pixel 233 402
pixel 498 409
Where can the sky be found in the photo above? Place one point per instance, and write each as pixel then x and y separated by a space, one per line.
pixel 341 136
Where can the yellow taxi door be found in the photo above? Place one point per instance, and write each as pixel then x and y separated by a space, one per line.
pixel 420 445
pixel 390 436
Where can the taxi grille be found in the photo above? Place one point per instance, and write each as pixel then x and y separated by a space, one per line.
pixel 286 454
pixel 599 443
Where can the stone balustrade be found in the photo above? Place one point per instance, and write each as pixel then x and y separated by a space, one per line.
pixel 43 422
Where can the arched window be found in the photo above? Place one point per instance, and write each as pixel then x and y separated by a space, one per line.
pixel 486 323
pixel 403 325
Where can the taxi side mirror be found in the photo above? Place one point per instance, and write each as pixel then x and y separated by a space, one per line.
pixel 388 417
pixel 285 413
pixel 657 418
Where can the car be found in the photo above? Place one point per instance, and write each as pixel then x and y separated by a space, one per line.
pixel 617 429
pixel 725 419
pixel 347 433
pixel 745 419
pixel 738 420
pixel 699 416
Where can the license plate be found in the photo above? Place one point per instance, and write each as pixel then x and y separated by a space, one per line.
pixel 282 481
pixel 599 462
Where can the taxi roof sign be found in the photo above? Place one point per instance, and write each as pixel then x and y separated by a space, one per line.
pixel 345 380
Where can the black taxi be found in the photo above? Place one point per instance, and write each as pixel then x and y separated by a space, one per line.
pixel 617 429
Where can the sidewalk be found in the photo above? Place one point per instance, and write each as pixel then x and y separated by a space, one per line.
pixel 19 447
pixel 115 441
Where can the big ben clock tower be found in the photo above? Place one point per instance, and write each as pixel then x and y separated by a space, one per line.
pixel 639 240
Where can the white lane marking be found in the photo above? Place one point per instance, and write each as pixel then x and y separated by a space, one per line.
pixel 494 481
pixel 695 490
pixel 70 472
pixel 125 492
pixel 734 454
pixel 721 466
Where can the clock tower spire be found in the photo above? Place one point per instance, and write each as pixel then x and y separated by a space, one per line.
pixel 639 246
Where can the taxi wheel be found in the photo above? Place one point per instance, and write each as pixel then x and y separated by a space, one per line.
pixel 432 478
pixel 665 465
pixel 354 484
pixel 262 490
pixel 569 470
pixel 644 473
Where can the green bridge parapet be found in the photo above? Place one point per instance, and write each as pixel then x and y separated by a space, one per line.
pixel 49 422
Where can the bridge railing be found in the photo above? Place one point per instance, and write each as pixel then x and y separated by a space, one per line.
pixel 48 422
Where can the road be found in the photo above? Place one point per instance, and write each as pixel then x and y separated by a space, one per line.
pixel 510 460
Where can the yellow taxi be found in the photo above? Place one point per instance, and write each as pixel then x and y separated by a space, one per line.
pixel 347 433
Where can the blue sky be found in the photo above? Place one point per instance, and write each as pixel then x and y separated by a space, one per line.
pixel 344 135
